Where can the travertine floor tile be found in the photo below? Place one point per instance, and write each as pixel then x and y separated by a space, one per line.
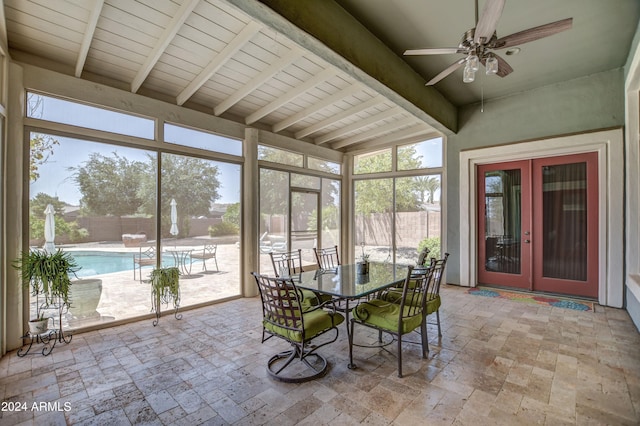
pixel 497 363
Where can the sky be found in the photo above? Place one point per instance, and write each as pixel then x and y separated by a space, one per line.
pixel 57 180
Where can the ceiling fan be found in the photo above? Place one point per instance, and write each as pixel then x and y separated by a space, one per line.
pixel 478 44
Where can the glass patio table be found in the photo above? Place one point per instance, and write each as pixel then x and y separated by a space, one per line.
pixel 345 284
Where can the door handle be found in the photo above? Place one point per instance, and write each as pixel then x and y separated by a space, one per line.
pixel 527 241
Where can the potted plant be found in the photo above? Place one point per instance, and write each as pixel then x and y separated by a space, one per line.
pixel 165 288
pixel 47 274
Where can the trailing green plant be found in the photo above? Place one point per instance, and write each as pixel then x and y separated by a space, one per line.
pixel 47 274
pixel 165 287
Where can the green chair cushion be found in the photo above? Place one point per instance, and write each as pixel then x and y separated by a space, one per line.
pixel 315 322
pixel 385 315
pixel 433 303
pixel 309 298
pixel 395 296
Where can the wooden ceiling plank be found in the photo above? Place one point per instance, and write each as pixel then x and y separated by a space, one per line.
pixel 387 127
pixel 88 36
pixel 167 35
pixel 403 135
pixel 257 81
pixel 289 96
pixel 337 117
pixel 359 124
pixel 219 60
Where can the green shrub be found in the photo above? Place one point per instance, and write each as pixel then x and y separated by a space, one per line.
pixel 433 244
pixel 224 228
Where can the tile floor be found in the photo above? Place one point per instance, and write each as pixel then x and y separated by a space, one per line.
pixel 499 362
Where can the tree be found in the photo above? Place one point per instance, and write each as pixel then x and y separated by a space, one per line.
pixel 192 182
pixel 40 145
pixel 428 185
pixel 376 195
pixel 110 185
pixel 232 214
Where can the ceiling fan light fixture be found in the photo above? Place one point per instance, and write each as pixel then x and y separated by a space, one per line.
pixel 468 75
pixel 473 62
pixel 491 65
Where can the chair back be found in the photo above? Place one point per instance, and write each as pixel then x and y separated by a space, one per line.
pixel 281 304
pixel 287 263
pixel 147 252
pixel 209 250
pixel 414 292
pixel 438 271
pixel 327 258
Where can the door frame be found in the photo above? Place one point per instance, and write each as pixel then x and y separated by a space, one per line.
pixel 609 146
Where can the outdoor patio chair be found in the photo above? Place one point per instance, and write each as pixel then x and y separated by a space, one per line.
pixel 397 319
pixel 288 264
pixel 285 317
pixel 207 252
pixel 328 258
pixel 146 256
pixel 433 300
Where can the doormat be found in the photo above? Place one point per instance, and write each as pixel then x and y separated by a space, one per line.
pixel 533 299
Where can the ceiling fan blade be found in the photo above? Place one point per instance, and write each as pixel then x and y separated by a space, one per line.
pixel 532 34
pixel 451 68
pixel 488 21
pixel 435 51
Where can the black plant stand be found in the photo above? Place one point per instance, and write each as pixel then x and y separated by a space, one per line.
pixel 49 338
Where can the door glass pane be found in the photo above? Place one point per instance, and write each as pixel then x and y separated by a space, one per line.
pixel 503 198
pixel 304 224
pixel 330 213
pixel 564 216
pixel 274 216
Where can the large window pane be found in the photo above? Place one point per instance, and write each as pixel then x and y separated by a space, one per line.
pixel 421 155
pixel 275 155
pixel 417 216
pixel 372 162
pixel 373 200
pixel 200 226
pixel 323 165
pixel 103 199
pixel 410 224
pixel 199 139
pixel 76 114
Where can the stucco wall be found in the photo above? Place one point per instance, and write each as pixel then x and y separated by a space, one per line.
pixel 575 106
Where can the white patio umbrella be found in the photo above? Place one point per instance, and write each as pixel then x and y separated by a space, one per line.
pixel 174 218
pixel 49 229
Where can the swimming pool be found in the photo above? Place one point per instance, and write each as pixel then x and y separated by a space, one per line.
pixel 106 262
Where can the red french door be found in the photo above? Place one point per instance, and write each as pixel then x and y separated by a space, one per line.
pixel 538 224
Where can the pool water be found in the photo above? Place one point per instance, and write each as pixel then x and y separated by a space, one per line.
pixel 103 262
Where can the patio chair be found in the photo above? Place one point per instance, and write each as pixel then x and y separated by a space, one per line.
pixel 328 258
pixel 433 300
pixel 288 264
pixel 285 317
pixel 146 256
pixel 397 319
pixel 207 252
